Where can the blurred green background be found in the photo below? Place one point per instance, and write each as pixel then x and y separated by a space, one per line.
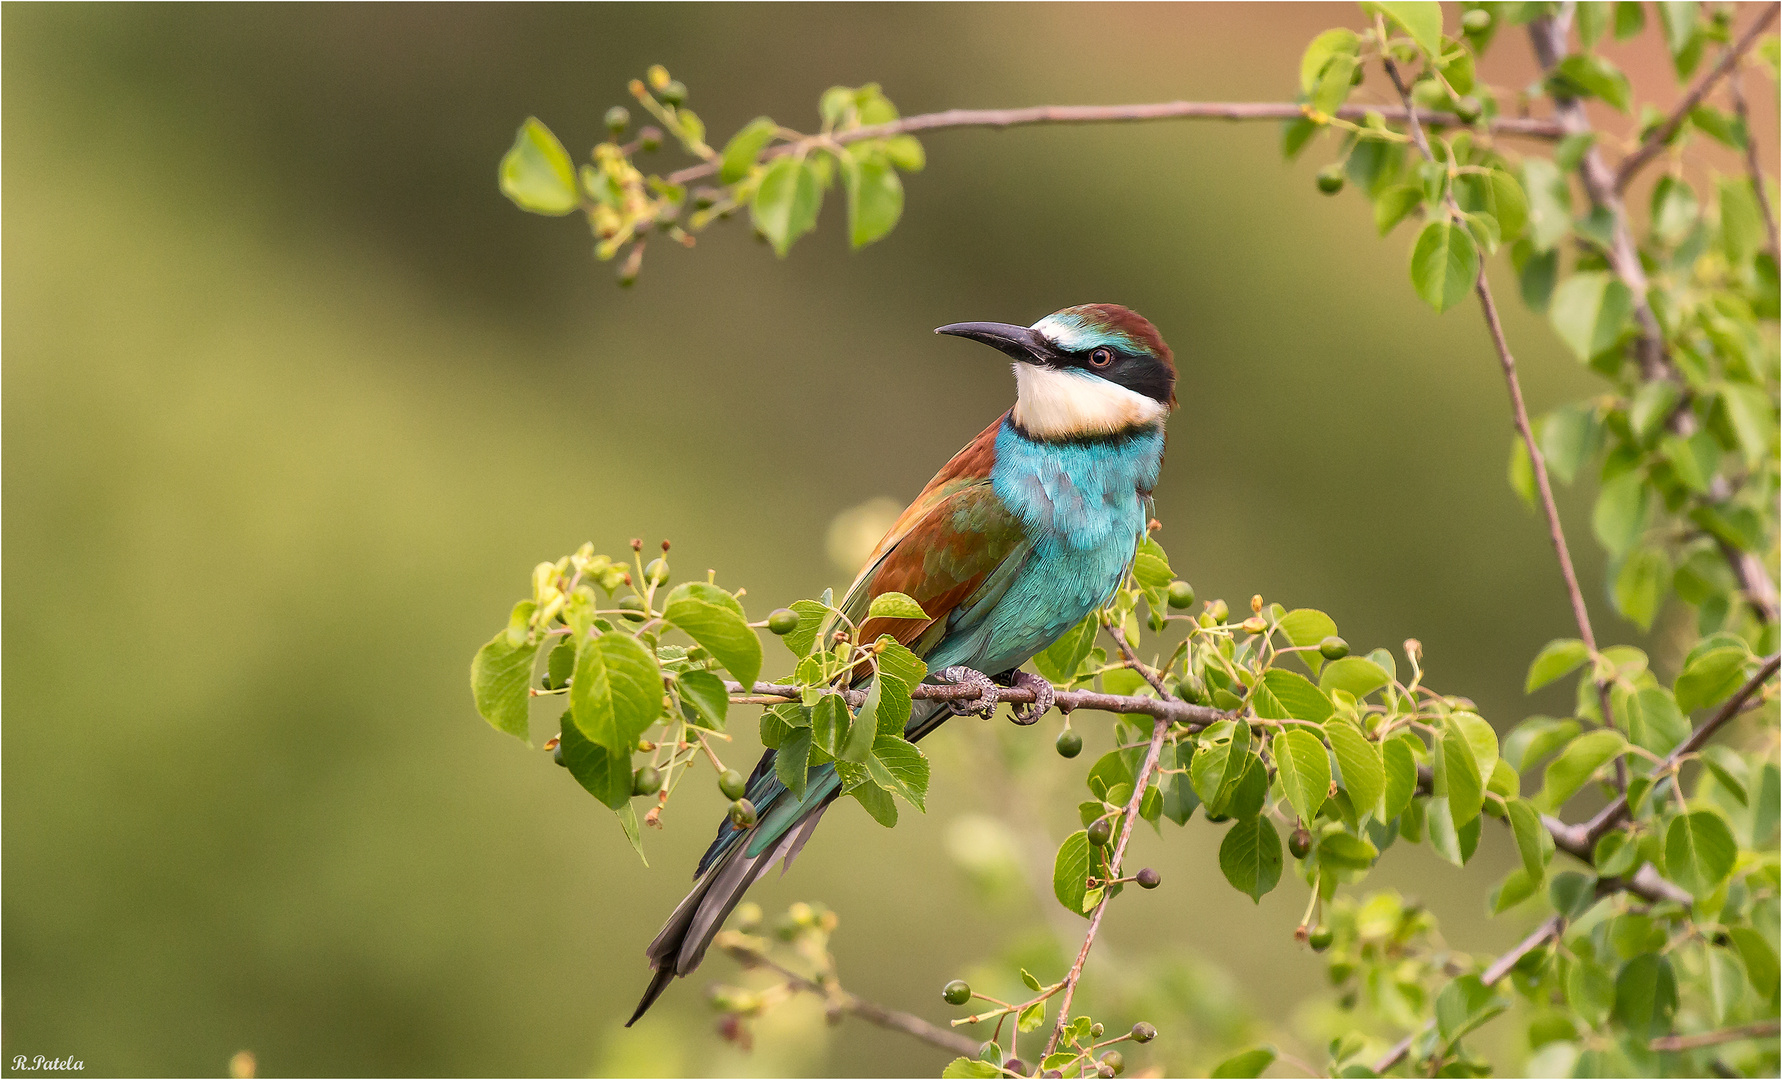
pixel 294 400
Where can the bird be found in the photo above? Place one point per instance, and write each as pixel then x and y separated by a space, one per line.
pixel 1017 539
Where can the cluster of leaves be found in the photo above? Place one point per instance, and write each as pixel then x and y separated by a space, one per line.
pixel 779 174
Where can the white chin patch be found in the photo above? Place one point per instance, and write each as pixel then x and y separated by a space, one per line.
pixel 1055 404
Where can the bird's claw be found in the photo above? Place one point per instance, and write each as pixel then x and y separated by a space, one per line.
pixel 1025 713
pixel 984 704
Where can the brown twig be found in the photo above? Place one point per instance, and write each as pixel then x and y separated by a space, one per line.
pixel 1193 717
pixel 1133 661
pixel 1763 1029
pixel 1116 114
pixel 836 997
pixel 1754 165
pixel 1494 974
pixel 1656 139
pixel 1131 815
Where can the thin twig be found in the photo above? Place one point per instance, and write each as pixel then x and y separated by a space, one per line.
pixel 1133 661
pixel 1763 1029
pixel 1132 812
pixel 1655 140
pixel 1754 165
pixel 1115 114
pixel 1193 717
pixel 872 1012
pixel 1494 974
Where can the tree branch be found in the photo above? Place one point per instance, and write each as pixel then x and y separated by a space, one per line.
pixel 1494 974
pixel 1116 114
pixel 1193 717
pixel 1128 819
pixel 872 1012
pixel 1763 1029
pixel 1754 166
pixel 1656 139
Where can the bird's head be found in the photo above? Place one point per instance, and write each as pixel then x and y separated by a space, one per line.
pixel 1084 372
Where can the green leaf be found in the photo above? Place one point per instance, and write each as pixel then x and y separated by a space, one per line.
pixel 878 803
pixel 1590 992
pixel 1422 19
pixel 1304 769
pixel 1711 677
pixel 786 202
pixel 1287 695
pixel 1319 53
pixel 1675 210
pixel 1032 1017
pixel 863 728
pixel 1334 85
pixel 1395 204
pixel 895 605
pixel 1589 311
pixel 1059 662
pixel 1455 844
pixel 1557 659
pixel 1681 26
pixel 1525 823
pixel 617 691
pixel 1630 19
pixel 905 152
pixel 1070 871
pixel 830 723
pixel 1250 857
pixel 1444 264
pixel 1401 774
pixel 1592 18
pixel 811 616
pixel 1591 75
pixel 1250 1063
pixel 1341 851
pixel 712 617
pixel 1752 414
pixel 1646 993
pixel 792 761
pixel 1356 675
pixel 964 1068
pixel 1522 478
pixel 1570 437
pixel 705 696
pixel 1622 508
pixel 1573 768
pixel 1549 202
pixel 1463 1005
pixel 1359 761
pixel 744 147
pixel 628 822
pixel 1653 720
pixel 897 766
pixel 1741 220
pixel 537 174
pixel 501 683
pixel 1307 627
pixel 1535 738
pixel 1760 960
pixel 875 199
pixel 605 774
pixel 1463 776
pixel 1512 890
pixel 1217 766
pixel 1479 736
pixel 1699 852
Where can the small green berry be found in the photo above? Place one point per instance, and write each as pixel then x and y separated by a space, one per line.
pixel 1096 1031
pixel 783 621
pixel 1149 878
pixel 1476 19
pixel 957 992
pixel 559 665
pixel 657 572
pixel 1219 610
pixel 1217 818
pixel 631 608
pixel 1468 108
pixel 1106 1072
pixel 1299 842
pixel 1333 648
pixel 1143 1032
pixel 1069 743
pixel 732 784
pixel 1192 690
pixel 647 780
pixel 1101 831
pixel 742 813
pixel 650 138
pixel 675 93
pixel 1114 1060
pixel 618 118
pixel 1181 594
pixel 1330 179
pixel 1320 938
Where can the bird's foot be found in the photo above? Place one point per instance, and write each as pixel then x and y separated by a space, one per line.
pixel 984 704
pixel 1025 713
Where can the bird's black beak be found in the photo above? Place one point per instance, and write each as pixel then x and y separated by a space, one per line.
pixel 1021 342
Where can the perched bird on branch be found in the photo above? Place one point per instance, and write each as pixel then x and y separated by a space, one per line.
pixel 1025 532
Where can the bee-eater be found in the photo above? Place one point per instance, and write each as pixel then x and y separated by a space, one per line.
pixel 1018 538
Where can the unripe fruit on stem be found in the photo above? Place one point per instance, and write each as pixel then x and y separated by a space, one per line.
pixel 1192 690
pixel 1096 1030
pixel 1299 842
pixel 657 572
pixel 1330 179
pixel 1106 1072
pixel 1333 648
pixel 1016 1066
pixel 1255 624
pixel 1114 1060
pixel 1069 743
pixel 1476 19
pixel 675 93
pixel 1149 878
pixel 957 992
pixel 618 118
pixel 1100 832
pixel 742 813
pixel 1320 938
pixel 1181 594
pixel 1218 819
pixel 1219 610
pixel 1468 108
pixel 1143 1032
pixel 631 608
pixel 732 784
pixel 783 621
pixel 650 138
pixel 647 780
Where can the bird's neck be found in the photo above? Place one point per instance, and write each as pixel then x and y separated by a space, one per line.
pixel 1082 492
pixel 1053 403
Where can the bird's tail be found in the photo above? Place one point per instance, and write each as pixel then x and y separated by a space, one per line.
pixel 728 870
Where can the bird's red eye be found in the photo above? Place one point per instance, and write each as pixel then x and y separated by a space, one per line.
pixel 1101 357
